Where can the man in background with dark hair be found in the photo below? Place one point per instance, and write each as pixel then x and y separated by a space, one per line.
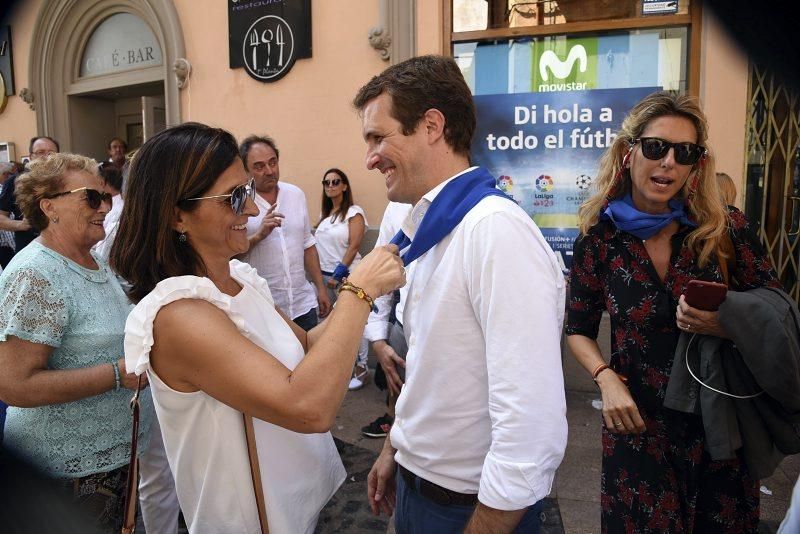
pixel 10 214
pixel 112 181
pixel 117 149
pixel 480 424
pixel 282 247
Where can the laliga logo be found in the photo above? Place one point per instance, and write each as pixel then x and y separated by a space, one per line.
pixel 562 69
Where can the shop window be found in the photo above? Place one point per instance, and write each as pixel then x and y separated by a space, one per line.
pixel 640 58
pixel 121 42
pixel 477 15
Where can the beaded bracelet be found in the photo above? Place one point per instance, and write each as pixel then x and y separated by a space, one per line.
pixel 359 292
pixel 117 382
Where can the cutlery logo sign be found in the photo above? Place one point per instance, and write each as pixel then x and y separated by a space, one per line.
pixel 268 48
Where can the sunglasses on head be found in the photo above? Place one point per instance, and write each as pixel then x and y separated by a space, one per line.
pixel 238 196
pixel 93 197
pixel 331 183
pixel 655 148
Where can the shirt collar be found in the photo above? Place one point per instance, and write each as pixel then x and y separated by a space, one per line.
pixel 417 213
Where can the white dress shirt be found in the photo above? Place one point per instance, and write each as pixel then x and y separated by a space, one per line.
pixel 280 257
pixel 483 408
pixel 378 323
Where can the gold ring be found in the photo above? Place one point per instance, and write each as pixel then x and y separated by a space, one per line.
pixel 617 425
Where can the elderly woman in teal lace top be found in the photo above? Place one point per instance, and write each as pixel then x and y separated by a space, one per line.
pixel 62 321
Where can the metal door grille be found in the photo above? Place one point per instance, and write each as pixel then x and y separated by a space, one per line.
pixel 772 188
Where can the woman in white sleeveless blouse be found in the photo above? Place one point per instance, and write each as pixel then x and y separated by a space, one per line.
pixel 213 344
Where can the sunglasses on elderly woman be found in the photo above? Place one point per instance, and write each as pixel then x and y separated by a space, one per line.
pixel 655 148
pixel 238 196
pixel 93 197
pixel 332 183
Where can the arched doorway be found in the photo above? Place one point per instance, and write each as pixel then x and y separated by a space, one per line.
pixel 101 69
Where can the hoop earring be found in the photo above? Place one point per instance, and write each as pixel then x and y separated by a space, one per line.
pixel 182 238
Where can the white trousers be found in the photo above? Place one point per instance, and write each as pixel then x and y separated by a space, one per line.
pixel 158 500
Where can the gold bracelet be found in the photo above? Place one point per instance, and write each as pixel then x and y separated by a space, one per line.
pixel 360 293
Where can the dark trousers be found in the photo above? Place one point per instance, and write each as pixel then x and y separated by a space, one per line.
pixel 6 253
pixel 308 320
pixel 415 514
pixel 2 419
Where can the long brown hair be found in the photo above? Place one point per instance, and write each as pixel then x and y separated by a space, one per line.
pixel 327 203
pixel 705 207
pixel 176 164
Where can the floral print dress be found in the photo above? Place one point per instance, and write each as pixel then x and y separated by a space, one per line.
pixel 662 480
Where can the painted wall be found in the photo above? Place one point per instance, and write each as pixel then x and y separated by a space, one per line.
pixel 308 112
pixel 723 95
pixel 18 121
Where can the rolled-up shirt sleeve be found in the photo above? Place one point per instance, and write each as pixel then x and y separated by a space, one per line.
pixel 517 291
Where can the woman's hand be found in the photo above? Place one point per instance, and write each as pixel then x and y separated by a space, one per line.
pixel 380 272
pixel 619 409
pixel 699 321
pixel 129 380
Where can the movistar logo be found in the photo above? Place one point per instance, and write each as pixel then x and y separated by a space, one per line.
pixel 562 69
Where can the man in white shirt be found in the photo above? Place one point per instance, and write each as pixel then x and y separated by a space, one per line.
pixel 112 179
pixel 281 244
pixel 386 336
pixel 480 424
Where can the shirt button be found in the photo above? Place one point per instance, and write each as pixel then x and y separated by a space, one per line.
pixel 416 297
pixel 412 340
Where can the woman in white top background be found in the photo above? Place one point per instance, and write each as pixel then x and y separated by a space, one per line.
pixel 339 233
pixel 213 344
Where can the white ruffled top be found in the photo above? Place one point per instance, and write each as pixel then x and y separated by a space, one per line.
pixel 204 438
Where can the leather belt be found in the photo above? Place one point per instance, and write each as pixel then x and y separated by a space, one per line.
pixel 439 495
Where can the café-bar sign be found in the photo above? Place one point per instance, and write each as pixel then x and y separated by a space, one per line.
pixel 265 37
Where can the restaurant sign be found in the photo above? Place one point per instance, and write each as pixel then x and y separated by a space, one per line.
pixel 267 36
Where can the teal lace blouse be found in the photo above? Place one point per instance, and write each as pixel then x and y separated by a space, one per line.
pixel 46 298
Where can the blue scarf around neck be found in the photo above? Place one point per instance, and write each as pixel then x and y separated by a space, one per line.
pixel 449 207
pixel 643 225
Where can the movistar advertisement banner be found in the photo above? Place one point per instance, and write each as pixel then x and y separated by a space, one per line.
pixel 544 144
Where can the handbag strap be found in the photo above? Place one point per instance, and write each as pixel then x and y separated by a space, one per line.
pixel 255 472
pixel 132 485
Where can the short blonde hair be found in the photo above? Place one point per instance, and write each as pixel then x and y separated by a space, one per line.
pixel 45 178
pixel 727 189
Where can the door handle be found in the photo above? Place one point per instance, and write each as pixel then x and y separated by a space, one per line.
pixel 794 200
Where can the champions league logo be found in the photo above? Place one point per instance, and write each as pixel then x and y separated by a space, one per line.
pixel 544 183
pixel 583 182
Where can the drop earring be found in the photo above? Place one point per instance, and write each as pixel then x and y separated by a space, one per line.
pixel 182 238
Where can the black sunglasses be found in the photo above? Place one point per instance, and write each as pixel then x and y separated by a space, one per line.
pixel 331 183
pixel 238 196
pixel 685 153
pixel 93 197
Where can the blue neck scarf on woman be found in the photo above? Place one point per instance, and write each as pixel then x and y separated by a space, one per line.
pixel 643 225
pixel 452 203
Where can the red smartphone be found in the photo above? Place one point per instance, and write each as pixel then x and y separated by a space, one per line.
pixel 705 295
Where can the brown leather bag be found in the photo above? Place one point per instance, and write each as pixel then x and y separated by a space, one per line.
pixel 131 493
